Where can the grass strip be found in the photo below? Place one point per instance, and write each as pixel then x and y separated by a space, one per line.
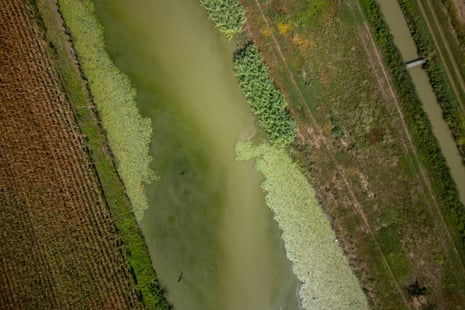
pixel 139 263
pixel 128 133
pixel 442 88
pixel 417 121
pixel 317 259
pixel 265 99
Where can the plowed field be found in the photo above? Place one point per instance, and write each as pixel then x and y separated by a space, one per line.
pixel 59 247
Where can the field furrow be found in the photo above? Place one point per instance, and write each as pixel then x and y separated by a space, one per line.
pixel 60 247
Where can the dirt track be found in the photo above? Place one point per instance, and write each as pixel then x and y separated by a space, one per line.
pixel 59 247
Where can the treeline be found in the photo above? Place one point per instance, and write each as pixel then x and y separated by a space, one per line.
pixel 128 135
pixel 417 121
pixel 265 99
pixel 441 86
pixel 227 15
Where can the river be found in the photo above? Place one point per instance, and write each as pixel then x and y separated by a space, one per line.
pixel 402 38
pixel 211 237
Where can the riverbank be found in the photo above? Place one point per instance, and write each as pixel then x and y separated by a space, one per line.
pixel 354 146
pixel 212 238
pixel 317 259
pixel 444 74
pixel 76 85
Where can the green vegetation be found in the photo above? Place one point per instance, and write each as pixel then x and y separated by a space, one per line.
pixel 227 15
pixel 127 132
pixel 311 246
pixel 140 266
pixel 353 148
pixel 266 101
pixel 318 260
pixel 459 30
pixel 418 123
pixel 451 110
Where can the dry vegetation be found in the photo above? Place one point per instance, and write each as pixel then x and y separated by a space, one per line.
pixel 59 247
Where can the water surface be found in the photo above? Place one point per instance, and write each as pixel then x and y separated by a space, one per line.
pixel 211 237
pixel 402 38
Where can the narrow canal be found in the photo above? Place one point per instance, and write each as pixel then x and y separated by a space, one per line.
pixel 211 237
pixel 402 38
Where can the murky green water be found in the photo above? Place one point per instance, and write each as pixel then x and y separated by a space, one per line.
pixel 402 38
pixel 210 235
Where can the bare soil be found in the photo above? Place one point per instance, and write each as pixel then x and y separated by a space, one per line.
pixel 59 247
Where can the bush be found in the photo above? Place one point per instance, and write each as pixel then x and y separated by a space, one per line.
pixel 266 101
pixel 128 133
pixel 227 15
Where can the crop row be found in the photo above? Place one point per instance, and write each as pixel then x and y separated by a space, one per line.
pixel 417 121
pixel 128 136
pixel 66 246
pixel 128 133
pixel 438 79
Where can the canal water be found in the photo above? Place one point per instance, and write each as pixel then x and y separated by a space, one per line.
pixel 211 237
pixel 402 38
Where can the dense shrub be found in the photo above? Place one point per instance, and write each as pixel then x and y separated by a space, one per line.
pixel 265 99
pixel 227 15
pixel 128 135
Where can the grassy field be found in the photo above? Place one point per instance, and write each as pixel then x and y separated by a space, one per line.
pixel 359 150
pixel 436 43
pixel 60 50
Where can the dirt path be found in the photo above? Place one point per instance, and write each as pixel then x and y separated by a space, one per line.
pixel 327 145
pixel 456 88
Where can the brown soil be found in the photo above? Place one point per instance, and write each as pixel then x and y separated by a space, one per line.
pixel 59 247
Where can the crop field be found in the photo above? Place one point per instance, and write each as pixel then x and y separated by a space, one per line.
pixel 59 247
pixel 356 147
